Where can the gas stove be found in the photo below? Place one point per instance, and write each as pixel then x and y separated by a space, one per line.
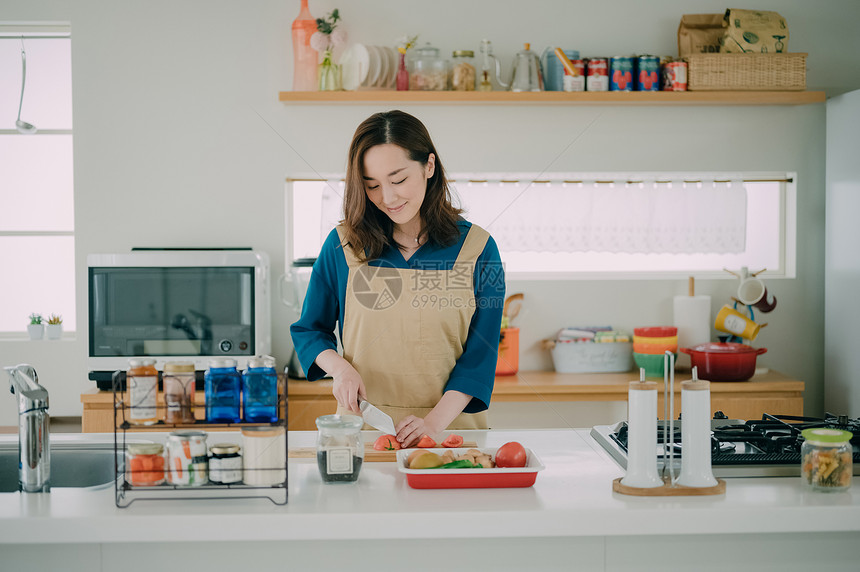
pixel 769 447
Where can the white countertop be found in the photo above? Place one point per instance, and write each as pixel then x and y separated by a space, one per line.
pixel 572 497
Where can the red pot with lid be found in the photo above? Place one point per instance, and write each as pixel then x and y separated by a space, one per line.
pixel 724 361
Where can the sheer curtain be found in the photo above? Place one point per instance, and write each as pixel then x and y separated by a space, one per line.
pixel 620 216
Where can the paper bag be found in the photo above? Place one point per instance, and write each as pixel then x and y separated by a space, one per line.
pixel 700 34
pixel 752 31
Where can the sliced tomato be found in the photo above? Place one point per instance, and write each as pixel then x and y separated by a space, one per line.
pixel 511 455
pixel 453 441
pixel 426 442
pixel 386 443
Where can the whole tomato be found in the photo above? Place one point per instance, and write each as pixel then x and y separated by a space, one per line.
pixel 511 455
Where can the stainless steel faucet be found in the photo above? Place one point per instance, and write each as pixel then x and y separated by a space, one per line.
pixel 34 443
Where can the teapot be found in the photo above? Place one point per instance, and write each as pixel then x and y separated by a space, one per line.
pixel 526 75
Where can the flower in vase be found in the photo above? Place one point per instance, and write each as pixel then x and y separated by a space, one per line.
pixel 328 36
pixel 406 42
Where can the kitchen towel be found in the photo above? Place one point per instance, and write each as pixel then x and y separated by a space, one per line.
pixel 692 317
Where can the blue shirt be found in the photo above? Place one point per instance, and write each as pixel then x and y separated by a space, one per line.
pixel 473 374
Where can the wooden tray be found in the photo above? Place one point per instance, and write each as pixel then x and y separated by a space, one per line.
pixel 371 455
pixel 667 490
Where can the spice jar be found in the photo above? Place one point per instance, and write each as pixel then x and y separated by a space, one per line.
pixel 463 71
pixel 826 464
pixel 145 464
pixel 179 389
pixel 225 464
pixel 340 450
pixel 142 383
pixel 223 388
pixel 260 391
pixel 429 71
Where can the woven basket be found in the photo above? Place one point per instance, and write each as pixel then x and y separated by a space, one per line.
pixel 754 72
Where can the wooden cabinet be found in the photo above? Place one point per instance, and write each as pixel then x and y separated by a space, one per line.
pixel 770 392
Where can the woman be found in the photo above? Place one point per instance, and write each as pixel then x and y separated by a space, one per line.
pixel 417 290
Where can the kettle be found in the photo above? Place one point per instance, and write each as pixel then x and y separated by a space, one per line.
pixel 526 75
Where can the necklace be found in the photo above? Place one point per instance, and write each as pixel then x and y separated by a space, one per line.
pixel 410 238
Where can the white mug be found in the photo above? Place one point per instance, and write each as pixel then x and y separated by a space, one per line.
pixel 753 292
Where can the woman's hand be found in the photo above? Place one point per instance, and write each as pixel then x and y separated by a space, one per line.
pixel 411 429
pixel 348 388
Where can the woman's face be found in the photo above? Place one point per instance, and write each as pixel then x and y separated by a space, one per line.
pixel 395 183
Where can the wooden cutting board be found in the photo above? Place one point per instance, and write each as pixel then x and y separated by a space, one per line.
pixel 371 455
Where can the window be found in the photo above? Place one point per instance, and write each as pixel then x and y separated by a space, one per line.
pixel 36 192
pixel 602 225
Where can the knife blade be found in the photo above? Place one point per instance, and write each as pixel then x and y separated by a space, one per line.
pixel 374 417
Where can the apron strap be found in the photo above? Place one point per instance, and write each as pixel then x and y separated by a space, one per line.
pixel 473 246
pixel 349 254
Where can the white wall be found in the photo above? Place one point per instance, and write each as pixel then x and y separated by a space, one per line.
pixel 180 141
pixel 842 261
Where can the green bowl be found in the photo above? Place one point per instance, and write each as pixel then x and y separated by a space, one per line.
pixel 653 363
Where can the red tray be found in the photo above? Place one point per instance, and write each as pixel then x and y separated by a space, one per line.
pixel 470 478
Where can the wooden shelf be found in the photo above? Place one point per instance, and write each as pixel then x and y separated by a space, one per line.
pixel 363 97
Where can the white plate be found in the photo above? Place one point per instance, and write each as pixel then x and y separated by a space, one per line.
pixel 355 62
pixel 385 67
pixel 374 68
pixel 393 64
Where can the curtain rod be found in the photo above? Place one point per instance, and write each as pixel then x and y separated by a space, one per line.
pixel 601 182
pixel 49 37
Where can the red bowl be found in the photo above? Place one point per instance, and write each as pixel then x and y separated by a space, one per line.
pixel 656 331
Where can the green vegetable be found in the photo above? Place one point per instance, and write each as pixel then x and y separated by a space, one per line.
pixel 461 464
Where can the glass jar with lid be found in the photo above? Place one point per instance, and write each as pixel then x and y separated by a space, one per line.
pixel 145 464
pixel 223 388
pixel 260 391
pixel 463 72
pixel 142 383
pixel 826 459
pixel 179 389
pixel 429 71
pixel 340 450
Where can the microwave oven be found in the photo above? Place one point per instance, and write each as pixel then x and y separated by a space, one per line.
pixel 176 305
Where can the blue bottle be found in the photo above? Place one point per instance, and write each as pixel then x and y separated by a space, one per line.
pixel 223 387
pixel 260 391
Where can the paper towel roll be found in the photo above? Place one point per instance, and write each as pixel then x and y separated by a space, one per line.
pixel 692 317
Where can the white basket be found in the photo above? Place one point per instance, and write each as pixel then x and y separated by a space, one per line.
pixel 588 357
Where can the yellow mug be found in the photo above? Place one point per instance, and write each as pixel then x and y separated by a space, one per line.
pixel 731 321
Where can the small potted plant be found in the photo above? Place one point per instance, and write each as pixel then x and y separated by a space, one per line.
pixel 54 327
pixel 35 327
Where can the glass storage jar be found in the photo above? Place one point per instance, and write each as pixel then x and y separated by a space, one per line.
pixel 179 389
pixel 142 383
pixel 223 388
pixel 429 71
pixel 826 459
pixel 260 391
pixel 340 449
pixel 225 464
pixel 463 72
pixel 145 464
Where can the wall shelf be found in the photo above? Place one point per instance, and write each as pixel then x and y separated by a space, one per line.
pixel 363 97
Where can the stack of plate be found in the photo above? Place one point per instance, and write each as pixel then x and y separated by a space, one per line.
pixel 371 67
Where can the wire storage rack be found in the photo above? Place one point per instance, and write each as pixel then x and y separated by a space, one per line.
pixel 263 473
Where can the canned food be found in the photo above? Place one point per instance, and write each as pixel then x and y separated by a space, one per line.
pixel 598 75
pixel 575 82
pixel 225 464
pixel 621 73
pixel 648 76
pixel 675 76
pixel 188 464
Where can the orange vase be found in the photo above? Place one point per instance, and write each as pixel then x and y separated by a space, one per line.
pixel 304 56
pixel 509 352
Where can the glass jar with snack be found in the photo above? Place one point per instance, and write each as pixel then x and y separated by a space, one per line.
pixel 429 71
pixel 463 72
pixel 826 459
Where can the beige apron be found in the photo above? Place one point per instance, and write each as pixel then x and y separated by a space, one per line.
pixel 404 330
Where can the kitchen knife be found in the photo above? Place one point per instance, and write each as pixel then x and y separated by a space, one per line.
pixel 376 418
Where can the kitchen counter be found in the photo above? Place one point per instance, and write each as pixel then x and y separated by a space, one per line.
pixel 571 509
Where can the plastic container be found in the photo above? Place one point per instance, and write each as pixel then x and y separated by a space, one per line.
pixel 588 357
pixel 223 386
pixel 142 383
pixel 179 390
pixel 340 449
pixel 145 464
pixel 497 477
pixel 826 455
pixel 260 391
pixel 724 361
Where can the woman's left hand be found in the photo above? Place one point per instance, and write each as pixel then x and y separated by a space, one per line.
pixel 411 429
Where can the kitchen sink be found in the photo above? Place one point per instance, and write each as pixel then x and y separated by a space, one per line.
pixel 74 463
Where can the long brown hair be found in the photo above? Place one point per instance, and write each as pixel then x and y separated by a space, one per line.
pixel 367 228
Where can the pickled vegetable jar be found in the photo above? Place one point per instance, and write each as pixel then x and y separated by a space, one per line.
pixel 145 464
pixel 826 463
